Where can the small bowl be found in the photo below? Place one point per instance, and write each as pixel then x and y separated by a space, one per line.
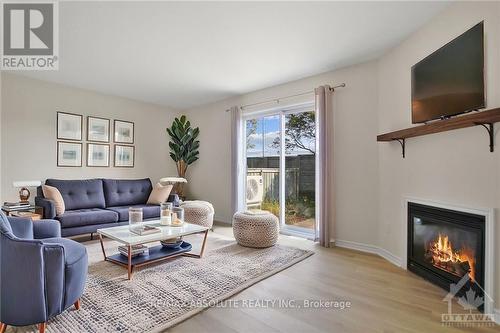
pixel 173 243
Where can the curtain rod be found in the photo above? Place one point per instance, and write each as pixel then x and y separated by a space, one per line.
pixel 277 100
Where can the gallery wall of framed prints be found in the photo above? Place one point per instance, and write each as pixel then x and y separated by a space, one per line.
pixel 70 128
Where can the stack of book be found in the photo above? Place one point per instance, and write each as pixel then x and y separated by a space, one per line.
pixel 12 206
pixel 137 250
pixel 142 230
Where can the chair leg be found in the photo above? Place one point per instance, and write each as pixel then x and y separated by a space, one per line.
pixel 3 327
pixel 77 304
pixel 42 327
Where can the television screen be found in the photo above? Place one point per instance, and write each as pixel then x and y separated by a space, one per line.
pixel 450 81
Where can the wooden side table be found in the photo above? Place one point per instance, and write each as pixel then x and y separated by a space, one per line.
pixel 32 215
pixel 34 212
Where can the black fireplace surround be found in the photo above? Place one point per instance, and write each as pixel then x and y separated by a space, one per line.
pixel 433 229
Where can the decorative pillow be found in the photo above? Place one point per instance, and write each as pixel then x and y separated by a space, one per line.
pixel 159 194
pixel 52 193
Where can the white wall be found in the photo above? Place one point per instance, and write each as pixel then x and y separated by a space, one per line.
pixel 1 197
pixel 453 167
pixel 28 132
pixel 355 167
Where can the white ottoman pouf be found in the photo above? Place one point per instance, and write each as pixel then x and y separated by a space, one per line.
pixel 199 212
pixel 255 229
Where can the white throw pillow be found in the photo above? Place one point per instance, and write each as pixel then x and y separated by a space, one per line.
pixel 159 194
pixel 52 193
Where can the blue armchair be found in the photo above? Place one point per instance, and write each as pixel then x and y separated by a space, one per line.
pixel 41 274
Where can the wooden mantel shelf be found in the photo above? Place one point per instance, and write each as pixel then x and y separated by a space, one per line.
pixel 484 118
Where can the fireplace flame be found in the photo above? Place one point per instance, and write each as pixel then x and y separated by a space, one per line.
pixel 458 262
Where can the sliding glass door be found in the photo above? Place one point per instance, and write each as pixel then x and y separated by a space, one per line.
pixel 300 170
pixel 280 157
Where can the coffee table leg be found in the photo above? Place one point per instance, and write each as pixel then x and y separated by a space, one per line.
pixel 192 255
pixel 129 262
pixel 204 243
pixel 102 247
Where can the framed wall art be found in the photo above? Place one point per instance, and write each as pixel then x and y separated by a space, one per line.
pixel 97 155
pixel 69 154
pixel 69 126
pixel 124 156
pixel 98 129
pixel 123 131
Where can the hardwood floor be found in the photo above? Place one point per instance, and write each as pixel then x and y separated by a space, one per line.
pixel 384 298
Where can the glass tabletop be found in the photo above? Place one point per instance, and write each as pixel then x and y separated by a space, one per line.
pixel 123 235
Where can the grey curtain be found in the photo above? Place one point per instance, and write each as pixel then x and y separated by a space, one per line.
pixel 325 217
pixel 236 160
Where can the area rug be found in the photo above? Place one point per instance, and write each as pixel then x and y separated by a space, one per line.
pixel 163 295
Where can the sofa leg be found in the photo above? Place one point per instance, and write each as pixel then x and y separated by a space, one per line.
pixel 42 327
pixel 3 327
pixel 77 304
pixel 91 236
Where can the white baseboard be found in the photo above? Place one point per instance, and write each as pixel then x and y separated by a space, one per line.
pixel 390 257
pixel 393 259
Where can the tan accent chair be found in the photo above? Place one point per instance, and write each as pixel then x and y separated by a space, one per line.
pixel 255 229
pixel 199 212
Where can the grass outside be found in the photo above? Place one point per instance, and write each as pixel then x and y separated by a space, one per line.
pixel 298 213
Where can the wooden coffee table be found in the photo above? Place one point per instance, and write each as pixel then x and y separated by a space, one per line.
pixel 123 235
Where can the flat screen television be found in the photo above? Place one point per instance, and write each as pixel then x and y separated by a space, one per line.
pixel 450 81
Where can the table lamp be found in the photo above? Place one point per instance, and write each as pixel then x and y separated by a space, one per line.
pixel 175 182
pixel 24 193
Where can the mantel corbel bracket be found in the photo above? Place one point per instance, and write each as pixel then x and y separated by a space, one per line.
pixel 402 142
pixel 491 133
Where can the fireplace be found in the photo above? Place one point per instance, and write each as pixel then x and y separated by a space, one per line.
pixel 445 245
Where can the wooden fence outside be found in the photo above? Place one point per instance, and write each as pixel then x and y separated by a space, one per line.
pixel 299 177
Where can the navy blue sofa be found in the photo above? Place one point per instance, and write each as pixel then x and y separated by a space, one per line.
pixel 98 203
pixel 41 274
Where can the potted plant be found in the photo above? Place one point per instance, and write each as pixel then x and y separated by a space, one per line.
pixel 183 147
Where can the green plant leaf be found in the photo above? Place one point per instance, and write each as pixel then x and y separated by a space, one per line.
pixel 183 144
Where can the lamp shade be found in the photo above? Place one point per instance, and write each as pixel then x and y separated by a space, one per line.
pixel 26 183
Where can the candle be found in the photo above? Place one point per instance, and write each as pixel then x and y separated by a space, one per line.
pixel 166 211
pixel 166 218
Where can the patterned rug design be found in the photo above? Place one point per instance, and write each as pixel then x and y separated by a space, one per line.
pixel 165 294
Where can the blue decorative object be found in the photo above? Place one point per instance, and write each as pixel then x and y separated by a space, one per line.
pixel 172 245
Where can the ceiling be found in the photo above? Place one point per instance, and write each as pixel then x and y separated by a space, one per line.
pixel 188 54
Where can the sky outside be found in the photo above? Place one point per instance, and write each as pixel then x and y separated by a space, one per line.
pixel 260 144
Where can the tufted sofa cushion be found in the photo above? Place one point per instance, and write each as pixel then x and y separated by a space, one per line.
pixel 80 194
pixel 148 212
pixel 126 192
pixel 88 216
